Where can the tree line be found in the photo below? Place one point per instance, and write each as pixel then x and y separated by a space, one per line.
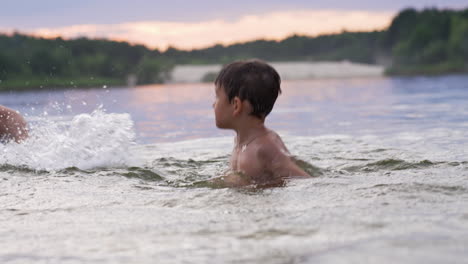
pixel 429 41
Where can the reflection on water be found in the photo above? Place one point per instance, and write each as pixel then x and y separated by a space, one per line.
pixel 184 111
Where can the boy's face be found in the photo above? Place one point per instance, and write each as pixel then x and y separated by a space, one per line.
pixel 222 109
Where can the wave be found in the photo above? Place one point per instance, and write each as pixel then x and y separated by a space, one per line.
pixel 419 187
pixel 391 165
pixel 86 141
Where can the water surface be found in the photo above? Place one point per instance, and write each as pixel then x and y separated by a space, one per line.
pixel 109 176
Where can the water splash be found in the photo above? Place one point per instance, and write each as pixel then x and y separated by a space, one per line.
pixel 96 140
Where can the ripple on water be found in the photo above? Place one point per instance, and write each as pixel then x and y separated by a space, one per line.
pixel 414 188
pixel 390 165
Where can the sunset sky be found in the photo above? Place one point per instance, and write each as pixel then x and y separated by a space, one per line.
pixel 202 23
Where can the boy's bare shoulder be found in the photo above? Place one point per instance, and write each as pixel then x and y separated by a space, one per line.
pixel 276 158
pixel 271 147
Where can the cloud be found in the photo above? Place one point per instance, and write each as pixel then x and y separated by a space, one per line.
pixel 274 25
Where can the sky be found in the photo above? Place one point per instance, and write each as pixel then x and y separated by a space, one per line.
pixel 201 23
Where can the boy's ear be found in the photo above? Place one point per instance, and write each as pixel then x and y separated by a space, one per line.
pixel 237 104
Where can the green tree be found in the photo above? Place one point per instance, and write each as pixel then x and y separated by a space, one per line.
pixel 152 70
pixel 458 42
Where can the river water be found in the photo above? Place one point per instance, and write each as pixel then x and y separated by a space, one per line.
pixel 115 175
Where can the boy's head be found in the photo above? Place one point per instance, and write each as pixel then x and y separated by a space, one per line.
pixel 251 80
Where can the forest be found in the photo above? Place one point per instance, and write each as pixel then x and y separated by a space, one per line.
pixel 417 42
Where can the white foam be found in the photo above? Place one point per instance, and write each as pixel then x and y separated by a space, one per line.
pixel 86 141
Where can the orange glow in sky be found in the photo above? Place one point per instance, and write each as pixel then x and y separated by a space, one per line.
pixel 185 35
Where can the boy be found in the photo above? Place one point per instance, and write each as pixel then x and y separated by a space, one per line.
pixel 12 126
pixel 245 94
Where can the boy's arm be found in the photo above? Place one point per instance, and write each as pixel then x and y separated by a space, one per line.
pixel 279 162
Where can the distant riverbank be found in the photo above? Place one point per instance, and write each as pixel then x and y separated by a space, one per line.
pixel 293 70
pixel 287 71
pixel 207 73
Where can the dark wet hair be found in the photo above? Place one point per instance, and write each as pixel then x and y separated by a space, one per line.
pixel 251 80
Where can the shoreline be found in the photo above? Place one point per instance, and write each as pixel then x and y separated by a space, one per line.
pixel 289 71
pixel 294 70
